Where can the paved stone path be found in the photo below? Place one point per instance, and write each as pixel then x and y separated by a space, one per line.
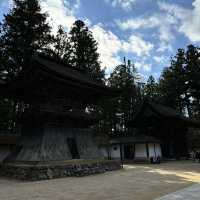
pixel 134 182
pixel 189 193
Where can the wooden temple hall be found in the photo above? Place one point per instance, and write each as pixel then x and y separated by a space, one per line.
pixel 157 132
pixel 168 128
pixel 55 120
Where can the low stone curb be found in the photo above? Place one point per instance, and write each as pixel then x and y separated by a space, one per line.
pixel 45 172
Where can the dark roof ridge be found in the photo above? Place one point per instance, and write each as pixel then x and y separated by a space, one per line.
pixel 158 108
pixel 60 62
pixel 163 111
pixel 57 60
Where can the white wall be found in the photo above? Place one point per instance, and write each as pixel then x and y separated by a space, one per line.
pixel 154 152
pixel 140 151
pixel 158 150
pixel 151 150
pixel 115 151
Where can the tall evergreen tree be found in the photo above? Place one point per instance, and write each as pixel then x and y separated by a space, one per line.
pixel 193 76
pixel 124 78
pixel 23 33
pixel 172 83
pixel 166 87
pixel 151 88
pixel 84 53
pixel 61 46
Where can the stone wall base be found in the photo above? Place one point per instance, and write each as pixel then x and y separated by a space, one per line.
pixel 44 171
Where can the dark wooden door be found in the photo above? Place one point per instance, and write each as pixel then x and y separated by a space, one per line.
pixel 128 151
pixel 73 148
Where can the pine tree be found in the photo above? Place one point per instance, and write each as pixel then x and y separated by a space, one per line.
pixel 193 76
pixel 124 78
pixel 179 80
pixel 172 83
pixel 151 88
pixel 84 53
pixel 6 113
pixel 23 33
pixel 61 46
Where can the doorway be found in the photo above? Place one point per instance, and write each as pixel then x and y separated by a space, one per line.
pixel 73 148
pixel 129 151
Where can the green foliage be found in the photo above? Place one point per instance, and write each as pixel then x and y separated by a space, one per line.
pixel 120 109
pixel 23 33
pixel 61 46
pixel 151 89
pixel 193 77
pixel 179 84
pixel 84 53
pixel 6 115
pixel 173 83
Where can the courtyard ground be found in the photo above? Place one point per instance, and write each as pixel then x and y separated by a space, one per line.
pixel 134 182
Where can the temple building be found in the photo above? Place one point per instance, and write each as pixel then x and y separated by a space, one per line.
pixel 158 132
pixel 55 113
pixel 138 148
pixel 166 125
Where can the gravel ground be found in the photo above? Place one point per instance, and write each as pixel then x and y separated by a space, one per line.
pixel 135 181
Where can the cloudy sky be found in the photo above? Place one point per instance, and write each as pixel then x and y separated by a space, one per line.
pixel 146 31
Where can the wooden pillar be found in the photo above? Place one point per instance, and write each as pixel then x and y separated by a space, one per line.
pixel 154 150
pixel 134 151
pixel 147 149
pixel 121 155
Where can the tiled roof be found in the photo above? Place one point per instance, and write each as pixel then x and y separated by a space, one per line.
pixel 162 112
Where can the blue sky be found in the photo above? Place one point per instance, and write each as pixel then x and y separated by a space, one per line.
pixel 146 31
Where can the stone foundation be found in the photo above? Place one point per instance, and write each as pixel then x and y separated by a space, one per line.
pixel 44 171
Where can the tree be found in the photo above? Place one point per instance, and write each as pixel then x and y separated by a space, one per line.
pixel 61 46
pixel 84 53
pixel 23 33
pixel 124 78
pixel 7 115
pixel 151 88
pixel 172 83
pixel 193 74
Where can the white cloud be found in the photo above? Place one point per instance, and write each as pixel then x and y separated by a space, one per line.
pixel 161 23
pixel 137 23
pixel 156 75
pixel 138 65
pixel 147 67
pixel 88 22
pixel 109 45
pixel 77 5
pixel 138 46
pixel 189 19
pixel 172 18
pixel 141 66
pixel 124 4
pixel 160 59
pixel 59 13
